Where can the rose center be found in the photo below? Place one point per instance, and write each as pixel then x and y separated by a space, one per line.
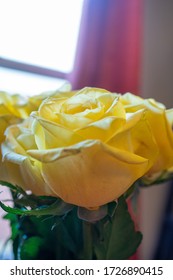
pixel 78 104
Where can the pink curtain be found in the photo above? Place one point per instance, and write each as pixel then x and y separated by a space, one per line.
pixel 109 46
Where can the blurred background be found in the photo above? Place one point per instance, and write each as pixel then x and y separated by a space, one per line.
pixel 120 45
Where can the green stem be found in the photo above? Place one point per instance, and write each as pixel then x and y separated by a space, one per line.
pixel 87 241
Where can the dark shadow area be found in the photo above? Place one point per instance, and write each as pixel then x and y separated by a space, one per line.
pixel 164 249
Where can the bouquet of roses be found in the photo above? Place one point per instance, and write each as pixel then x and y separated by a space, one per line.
pixel 71 160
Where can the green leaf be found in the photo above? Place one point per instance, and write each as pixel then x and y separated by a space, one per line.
pixel 13 224
pixel 29 226
pixel 58 208
pixel 119 239
pixel 74 226
pixel 12 187
pixel 131 190
pixel 112 208
pixel 65 238
pixel 29 249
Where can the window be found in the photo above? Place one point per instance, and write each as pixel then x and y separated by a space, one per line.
pixel 37 48
pixel 39 37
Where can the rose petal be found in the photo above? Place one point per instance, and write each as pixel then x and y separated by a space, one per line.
pixel 156 116
pixel 103 129
pixel 50 135
pixel 21 171
pixel 95 176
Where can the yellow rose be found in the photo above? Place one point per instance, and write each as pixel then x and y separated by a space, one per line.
pixel 12 110
pixel 8 113
pixel 80 146
pixel 160 121
pixel 35 100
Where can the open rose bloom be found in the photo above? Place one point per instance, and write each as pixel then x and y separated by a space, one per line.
pixel 13 109
pixel 88 147
pixel 70 159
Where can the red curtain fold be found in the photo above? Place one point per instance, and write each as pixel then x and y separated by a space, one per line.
pixel 109 47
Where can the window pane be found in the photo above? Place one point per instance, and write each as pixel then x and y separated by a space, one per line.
pixel 40 32
pixel 27 84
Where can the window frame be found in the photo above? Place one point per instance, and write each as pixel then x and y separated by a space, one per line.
pixel 33 69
